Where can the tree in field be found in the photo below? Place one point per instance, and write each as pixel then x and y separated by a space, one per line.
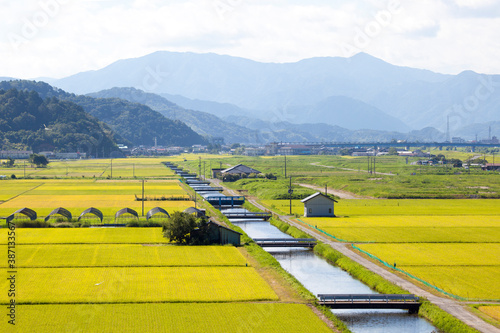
pixel 38 160
pixel 10 163
pixel 393 151
pixel 184 228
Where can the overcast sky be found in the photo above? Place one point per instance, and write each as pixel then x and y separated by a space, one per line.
pixel 57 38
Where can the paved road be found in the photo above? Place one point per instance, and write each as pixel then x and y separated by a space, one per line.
pixel 455 308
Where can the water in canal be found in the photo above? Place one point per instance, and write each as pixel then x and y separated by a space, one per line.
pixel 320 277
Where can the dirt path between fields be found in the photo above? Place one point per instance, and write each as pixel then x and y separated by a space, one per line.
pixel 347 169
pixel 339 193
pixel 457 309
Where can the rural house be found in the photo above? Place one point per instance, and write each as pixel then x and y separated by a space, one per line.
pixel 318 205
pixel 240 170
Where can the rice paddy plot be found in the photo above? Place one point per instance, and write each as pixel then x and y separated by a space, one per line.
pixel 407 221
pixel 416 234
pixel 424 254
pixel 493 311
pixel 138 284
pixel 132 187
pixel 404 207
pixel 167 317
pixel 86 236
pixel 474 282
pixel 9 189
pixel 419 207
pixel 121 255
pixel 76 204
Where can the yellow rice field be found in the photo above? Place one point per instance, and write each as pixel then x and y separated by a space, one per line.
pixel 138 284
pixel 124 255
pixel 86 236
pixel 108 196
pixel 493 311
pixel 435 254
pixel 167 317
pixel 475 282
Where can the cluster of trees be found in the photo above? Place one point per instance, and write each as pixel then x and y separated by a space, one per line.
pixel 29 122
pixel 186 229
pixel 9 163
pixel 38 160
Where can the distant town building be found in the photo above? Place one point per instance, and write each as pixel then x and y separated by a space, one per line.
pixel 457 139
pixel 63 156
pixel 254 151
pixel 199 148
pixel 494 140
pixel 294 150
pixel 16 154
pixel 318 205
pixel 491 166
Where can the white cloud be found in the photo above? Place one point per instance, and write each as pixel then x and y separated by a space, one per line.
pixel 90 34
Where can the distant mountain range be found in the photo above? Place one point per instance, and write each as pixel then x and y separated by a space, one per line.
pixel 250 130
pixel 361 92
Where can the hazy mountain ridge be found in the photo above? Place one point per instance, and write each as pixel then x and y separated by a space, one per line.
pixel 201 122
pixel 418 98
pixel 319 132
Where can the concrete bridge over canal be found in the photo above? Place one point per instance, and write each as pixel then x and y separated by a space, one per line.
pixel 371 301
pixel 285 242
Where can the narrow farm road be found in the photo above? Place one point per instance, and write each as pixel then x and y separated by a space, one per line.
pixel 341 194
pixel 455 308
pixel 347 169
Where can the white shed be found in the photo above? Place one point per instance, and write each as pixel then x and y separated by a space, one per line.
pixel 318 205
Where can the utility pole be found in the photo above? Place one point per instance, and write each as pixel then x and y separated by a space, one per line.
pixel 111 168
pixel 290 191
pixel 142 196
pixel 285 166
pixel 204 171
pixel 374 170
pixel 369 171
pixel 199 166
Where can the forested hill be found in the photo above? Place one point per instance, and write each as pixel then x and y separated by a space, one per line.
pixel 135 122
pixel 29 122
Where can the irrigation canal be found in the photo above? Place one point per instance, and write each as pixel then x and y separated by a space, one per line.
pixel 320 277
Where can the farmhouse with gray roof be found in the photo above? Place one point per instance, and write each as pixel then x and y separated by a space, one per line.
pixel 318 205
pixel 239 169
